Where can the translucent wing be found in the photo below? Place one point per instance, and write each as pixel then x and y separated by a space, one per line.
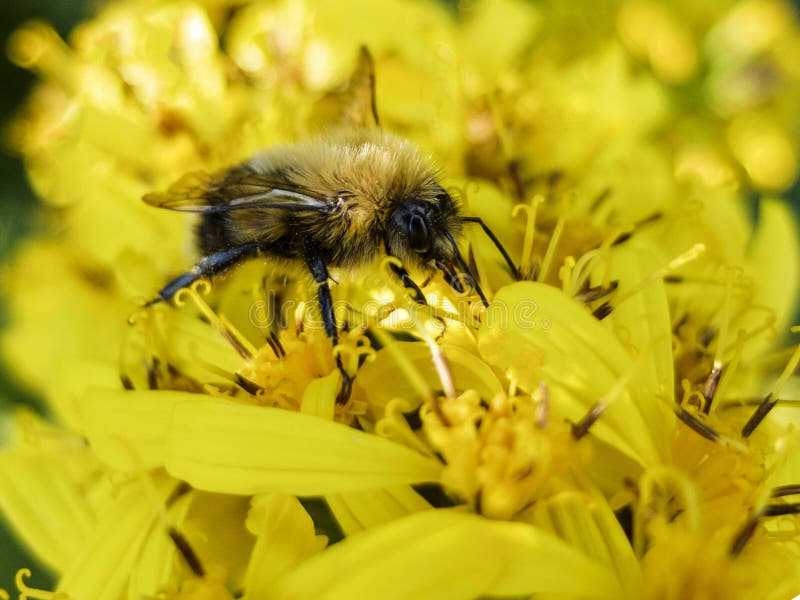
pixel 237 189
pixel 354 104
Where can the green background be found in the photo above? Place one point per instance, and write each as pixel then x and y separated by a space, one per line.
pixel 17 208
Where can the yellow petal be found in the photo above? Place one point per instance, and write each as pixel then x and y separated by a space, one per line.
pixel 285 538
pixel 469 372
pixel 643 322
pixel 220 446
pixel 535 332
pixel 157 562
pixel 355 511
pixel 101 567
pixel 319 398
pixel 45 504
pixel 587 524
pixel 128 430
pixel 774 258
pixel 444 554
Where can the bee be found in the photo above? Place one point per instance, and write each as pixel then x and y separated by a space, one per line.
pixel 338 200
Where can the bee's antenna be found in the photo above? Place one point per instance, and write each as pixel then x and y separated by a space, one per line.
pixel 495 241
pixel 465 268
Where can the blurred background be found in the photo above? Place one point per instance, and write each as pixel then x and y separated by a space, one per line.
pixel 17 207
pixel 17 218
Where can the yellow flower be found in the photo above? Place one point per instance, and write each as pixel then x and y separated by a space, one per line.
pixel 616 423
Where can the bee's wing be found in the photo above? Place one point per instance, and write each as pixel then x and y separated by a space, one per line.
pixel 354 104
pixel 200 192
pixel 359 97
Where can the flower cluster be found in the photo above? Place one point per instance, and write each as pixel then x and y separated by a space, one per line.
pixel 616 423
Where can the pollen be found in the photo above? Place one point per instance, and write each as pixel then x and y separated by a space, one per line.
pixel 501 455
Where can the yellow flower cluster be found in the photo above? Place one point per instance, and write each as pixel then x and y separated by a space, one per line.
pixel 616 423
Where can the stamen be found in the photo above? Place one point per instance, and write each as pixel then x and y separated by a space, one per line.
pixel 126 382
pixel 667 492
pixel 393 425
pixel 602 311
pixel 693 253
pixel 186 551
pixel 152 368
pixel 354 354
pixel 180 490
pixel 597 292
pixel 771 399
pixel 651 218
pixel 440 363
pixel 29 593
pixel 696 424
pixel 565 273
pixel 790 368
pixel 277 343
pixel 414 377
pixel 581 428
pixel 744 535
pixel 767 404
pixel 733 364
pixel 241 344
pixel 271 342
pixel 731 274
pixel 530 211
pixel 248 386
pixel 181 543
pixel 198 361
pixel 780 510
pixel 785 490
pixel 712 382
pixel 551 249
pixel 710 387
pixel 542 411
pixel 767 326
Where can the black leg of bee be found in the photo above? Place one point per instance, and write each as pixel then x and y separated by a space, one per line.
pixel 452 277
pixel 409 283
pixel 210 265
pixel 495 241
pixel 320 274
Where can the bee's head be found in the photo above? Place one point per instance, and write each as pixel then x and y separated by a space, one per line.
pixel 422 231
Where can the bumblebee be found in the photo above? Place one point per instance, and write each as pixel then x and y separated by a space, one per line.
pixel 338 200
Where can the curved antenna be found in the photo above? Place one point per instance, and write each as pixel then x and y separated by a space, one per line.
pixel 495 241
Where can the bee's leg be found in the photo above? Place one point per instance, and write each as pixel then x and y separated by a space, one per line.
pixel 320 274
pixel 405 278
pixel 209 265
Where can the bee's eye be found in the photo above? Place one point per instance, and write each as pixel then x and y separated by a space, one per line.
pixel 418 237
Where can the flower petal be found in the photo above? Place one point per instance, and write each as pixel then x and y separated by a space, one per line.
pixel 120 423
pixel 45 504
pixel 319 398
pixel 220 446
pixel 587 524
pixel 365 509
pixel 643 320
pixel 101 568
pixel 469 372
pixel 445 554
pixel 775 258
pixel 285 538
pixel 537 333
